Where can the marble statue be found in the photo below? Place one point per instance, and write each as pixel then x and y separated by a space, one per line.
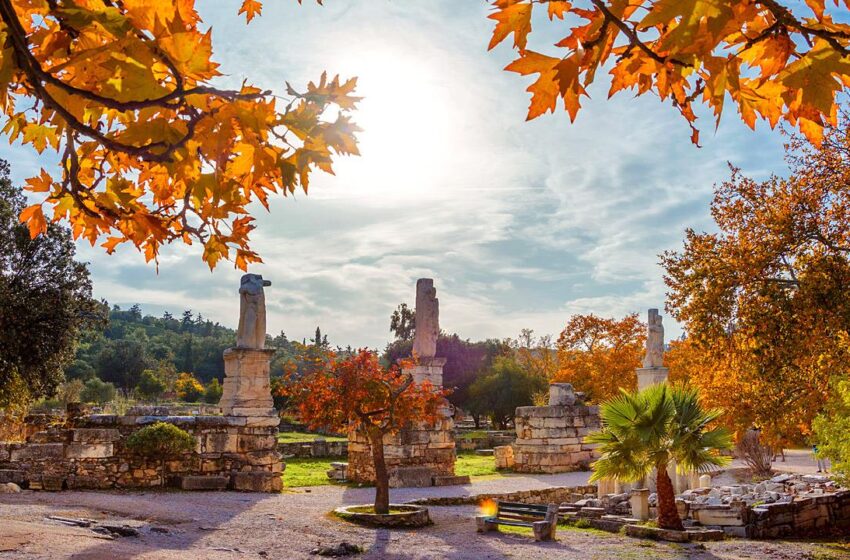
pixel 654 341
pixel 252 312
pixel 427 319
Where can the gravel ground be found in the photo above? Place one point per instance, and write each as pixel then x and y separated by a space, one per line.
pixel 234 525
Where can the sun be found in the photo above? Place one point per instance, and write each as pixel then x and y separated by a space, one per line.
pixel 409 128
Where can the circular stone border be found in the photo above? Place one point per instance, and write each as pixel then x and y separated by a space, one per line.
pixel 411 516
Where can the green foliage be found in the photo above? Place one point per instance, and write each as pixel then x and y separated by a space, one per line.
pixel 498 393
pixel 403 322
pixel 212 393
pixel 45 300
pixel 151 385
pixel 832 430
pixel 582 523
pixel 97 391
pixel 646 429
pixel 160 440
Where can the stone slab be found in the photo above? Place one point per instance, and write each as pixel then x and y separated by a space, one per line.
pixel 88 450
pixel 257 482
pixel 411 477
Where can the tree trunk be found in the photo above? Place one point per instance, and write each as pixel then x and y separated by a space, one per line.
pixel 668 515
pixel 382 479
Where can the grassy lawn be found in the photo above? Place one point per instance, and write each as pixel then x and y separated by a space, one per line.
pixel 301 437
pixel 309 471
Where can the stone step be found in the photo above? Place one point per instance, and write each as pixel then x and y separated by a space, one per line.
pixel 204 482
pixel 446 480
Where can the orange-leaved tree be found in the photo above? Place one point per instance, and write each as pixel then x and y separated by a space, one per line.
pixel 774 59
pixel 599 355
pixel 150 151
pixel 765 301
pixel 357 393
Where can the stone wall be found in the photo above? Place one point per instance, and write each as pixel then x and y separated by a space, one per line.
pixel 493 438
pixel 318 448
pixel 421 445
pixel 89 452
pixel 550 438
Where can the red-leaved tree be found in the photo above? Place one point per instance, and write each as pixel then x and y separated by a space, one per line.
pixel 358 393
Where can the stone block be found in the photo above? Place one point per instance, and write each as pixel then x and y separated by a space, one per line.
pixel 95 435
pixel 88 450
pixel 719 516
pixel 257 482
pixel 411 477
pixel 38 452
pixel 12 475
pixel 220 443
pixel 450 480
pixel 204 482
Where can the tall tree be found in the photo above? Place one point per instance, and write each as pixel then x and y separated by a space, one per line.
pixel 500 391
pixel 150 151
pixel 599 355
pixel 357 393
pixel 403 322
pixel 45 301
pixel 774 59
pixel 767 297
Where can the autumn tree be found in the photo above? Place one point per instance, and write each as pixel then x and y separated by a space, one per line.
pixel 765 301
pixel 357 393
pixel 150 150
pixel 599 355
pixel 775 60
pixel 45 303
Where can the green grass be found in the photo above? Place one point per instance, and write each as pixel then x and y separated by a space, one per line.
pixel 309 471
pixel 476 465
pixel 477 434
pixel 301 437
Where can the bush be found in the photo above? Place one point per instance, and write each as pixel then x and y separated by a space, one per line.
pixel 756 455
pixel 160 440
pixel 188 388
pixel 97 391
pixel 212 394
pixel 151 386
pixel 832 430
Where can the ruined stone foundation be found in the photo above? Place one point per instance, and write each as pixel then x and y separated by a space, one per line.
pixel 550 438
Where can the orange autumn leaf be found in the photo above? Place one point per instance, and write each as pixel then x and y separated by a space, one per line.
pixel 670 47
pixel 150 151
pixel 34 218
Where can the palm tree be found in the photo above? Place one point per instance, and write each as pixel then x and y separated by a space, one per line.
pixel 647 429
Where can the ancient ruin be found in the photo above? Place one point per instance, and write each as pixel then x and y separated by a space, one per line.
pixel 236 451
pixel 653 370
pixel 550 439
pixel 423 454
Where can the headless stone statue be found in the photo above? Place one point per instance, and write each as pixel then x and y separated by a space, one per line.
pixel 427 319
pixel 252 312
pixel 654 341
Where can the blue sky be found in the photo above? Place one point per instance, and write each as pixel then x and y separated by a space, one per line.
pixel 521 224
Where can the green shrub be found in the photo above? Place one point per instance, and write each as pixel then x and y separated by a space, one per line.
pixel 97 391
pixel 160 440
pixel 212 394
pixel 832 429
pixel 582 523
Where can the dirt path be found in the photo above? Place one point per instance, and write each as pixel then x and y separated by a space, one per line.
pixel 229 525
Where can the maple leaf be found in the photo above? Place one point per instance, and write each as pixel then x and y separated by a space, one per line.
pixel 33 216
pixel 251 9
pixel 514 18
pixel 544 91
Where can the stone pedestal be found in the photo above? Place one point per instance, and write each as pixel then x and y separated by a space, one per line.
pixel 550 439
pixel 247 389
pixel 639 501
pixel 428 369
pixel 651 376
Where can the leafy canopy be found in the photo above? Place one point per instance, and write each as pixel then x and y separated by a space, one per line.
pixel 764 300
pixel 45 303
pixel 599 355
pixel 150 151
pixel 356 392
pixel 776 60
